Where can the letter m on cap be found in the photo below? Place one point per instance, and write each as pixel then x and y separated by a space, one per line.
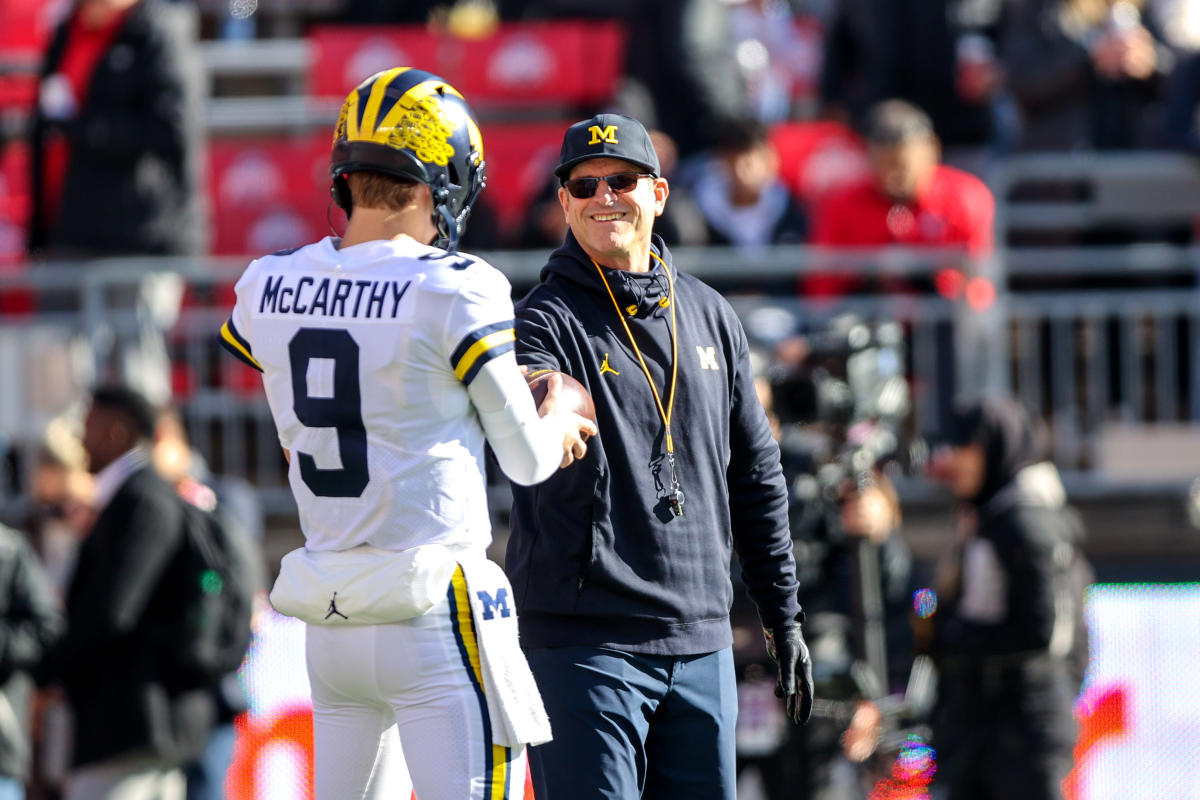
pixel 490 605
pixel 606 134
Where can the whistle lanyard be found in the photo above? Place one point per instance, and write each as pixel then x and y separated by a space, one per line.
pixel 675 498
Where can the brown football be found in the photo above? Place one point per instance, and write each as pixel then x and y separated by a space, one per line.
pixel 573 393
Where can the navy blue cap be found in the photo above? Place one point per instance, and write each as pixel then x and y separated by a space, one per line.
pixel 606 136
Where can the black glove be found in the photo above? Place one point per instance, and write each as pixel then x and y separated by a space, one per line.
pixel 785 645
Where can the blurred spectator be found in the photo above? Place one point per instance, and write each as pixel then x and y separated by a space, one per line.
pixel 117 134
pixel 744 201
pixel 1085 73
pixel 234 499
pixel 681 51
pixel 235 502
pixel 936 54
pixel 682 222
pixel 62 490
pixel 131 727
pixel 909 199
pixel 30 623
pixel 1182 113
pixel 1006 614
pixel 771 55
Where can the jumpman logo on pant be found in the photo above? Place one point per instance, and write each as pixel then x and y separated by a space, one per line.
pixel 333 608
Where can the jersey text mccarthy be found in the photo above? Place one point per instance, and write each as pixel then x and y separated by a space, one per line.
pixel 331 297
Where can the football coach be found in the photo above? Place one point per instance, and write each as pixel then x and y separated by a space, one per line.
pixel 620 563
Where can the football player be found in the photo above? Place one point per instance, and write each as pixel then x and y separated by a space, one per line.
pixel 387 356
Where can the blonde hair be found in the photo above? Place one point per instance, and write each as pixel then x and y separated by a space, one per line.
pixel 377 190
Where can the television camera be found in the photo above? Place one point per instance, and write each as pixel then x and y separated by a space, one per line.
pixel 846 409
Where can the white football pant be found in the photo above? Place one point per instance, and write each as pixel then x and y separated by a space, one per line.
pixel 422 676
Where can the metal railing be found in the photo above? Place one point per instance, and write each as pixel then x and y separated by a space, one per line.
pixel 1085 360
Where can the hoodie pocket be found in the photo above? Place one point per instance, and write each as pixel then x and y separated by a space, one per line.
pixel 562 549
pixel 596 540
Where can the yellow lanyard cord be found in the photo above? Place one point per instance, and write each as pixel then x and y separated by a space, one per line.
pixel 665 413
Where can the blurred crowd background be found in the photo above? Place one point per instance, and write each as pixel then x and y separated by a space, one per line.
pixel 906 201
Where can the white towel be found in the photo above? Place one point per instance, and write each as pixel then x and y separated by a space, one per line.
pixel 513 700
pixel 362 586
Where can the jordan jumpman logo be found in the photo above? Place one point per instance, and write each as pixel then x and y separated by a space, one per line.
pixel 333 608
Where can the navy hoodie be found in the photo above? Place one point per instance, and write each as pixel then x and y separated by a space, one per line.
pixel 596 557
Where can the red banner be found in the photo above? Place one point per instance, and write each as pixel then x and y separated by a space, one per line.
pixel 521 65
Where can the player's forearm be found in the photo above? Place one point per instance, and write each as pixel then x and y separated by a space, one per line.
pixel 528 447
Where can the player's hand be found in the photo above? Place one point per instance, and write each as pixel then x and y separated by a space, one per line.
pixel 786 646
pixel 576 429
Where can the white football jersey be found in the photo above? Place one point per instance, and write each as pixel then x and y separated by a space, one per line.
pixel 366 355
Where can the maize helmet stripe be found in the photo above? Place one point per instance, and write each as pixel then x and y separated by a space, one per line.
pixel 369 115
pixel 422 90
pixel 350 118
pixel 408 100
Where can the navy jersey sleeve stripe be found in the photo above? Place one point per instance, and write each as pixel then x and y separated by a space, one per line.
pixel 471 338
pixel 481 346
pixel 485 357
pixel 236 344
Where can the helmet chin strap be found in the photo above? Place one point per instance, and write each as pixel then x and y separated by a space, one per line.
pixel 447 228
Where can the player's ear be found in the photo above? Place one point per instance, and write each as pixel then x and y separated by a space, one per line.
pixel 661 191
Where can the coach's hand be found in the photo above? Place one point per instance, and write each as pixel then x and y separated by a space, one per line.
pixel 785 645
pixel 576 429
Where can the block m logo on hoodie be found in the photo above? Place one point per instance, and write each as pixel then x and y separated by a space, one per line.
pixel 708 357
pixel 491 605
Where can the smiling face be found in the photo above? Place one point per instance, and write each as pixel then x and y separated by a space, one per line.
pixel 614 229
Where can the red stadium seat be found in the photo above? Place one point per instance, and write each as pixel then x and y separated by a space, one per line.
pixel 521 66
pixel 345 55
pixel 14 204
pixel 268 194
pixel 24 27
pixel 519 160
pixel 558 64
pixel 265 194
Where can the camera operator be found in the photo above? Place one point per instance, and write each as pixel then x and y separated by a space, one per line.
pixel 1006 634
pixel 836 400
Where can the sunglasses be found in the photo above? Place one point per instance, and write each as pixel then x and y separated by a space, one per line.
pixel 620 183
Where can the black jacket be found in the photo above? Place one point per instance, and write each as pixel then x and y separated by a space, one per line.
pixel 1003 639
pixel 119 618
pixel 1004 697
pixel 132 182
pixel 30 622
pixel 596 556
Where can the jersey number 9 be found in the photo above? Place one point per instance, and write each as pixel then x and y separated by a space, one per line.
pixel 342 410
